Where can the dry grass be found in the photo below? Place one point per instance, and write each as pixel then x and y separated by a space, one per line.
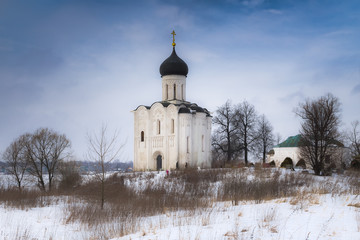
pixel 12 197
pixel 274 230
pixel 302 200
pixel 353 181
pixel 190 192
pixel 231 235
pixel 269 215
pixel 22 234
pixel 126 206
pixel 357 205
pixel 266 185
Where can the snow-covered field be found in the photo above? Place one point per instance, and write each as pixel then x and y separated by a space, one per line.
pixel 324 217
pixel 308 215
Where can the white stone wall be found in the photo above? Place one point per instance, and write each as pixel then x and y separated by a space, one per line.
pixel 338 156
pixel 284 152
pixel 188 141
pixel 195 128
pixel 173 84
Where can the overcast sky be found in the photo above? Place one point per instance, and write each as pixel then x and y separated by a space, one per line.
pixel 74 65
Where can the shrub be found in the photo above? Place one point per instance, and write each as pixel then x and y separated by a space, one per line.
pixel 70 175
pixel 24 199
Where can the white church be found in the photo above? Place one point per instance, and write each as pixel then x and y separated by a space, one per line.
pixel 172 133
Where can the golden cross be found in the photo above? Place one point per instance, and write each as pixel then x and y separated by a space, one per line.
pixel 173 43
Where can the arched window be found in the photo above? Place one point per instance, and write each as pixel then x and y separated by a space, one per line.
pixel 174 91
pixel 182 91
pixel 142 136
pixel 167 92
pixel 202 143
pixel 187 145
pixel 172 126
pixel 158 127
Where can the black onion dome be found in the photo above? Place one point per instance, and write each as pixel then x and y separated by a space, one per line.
pixel 174 65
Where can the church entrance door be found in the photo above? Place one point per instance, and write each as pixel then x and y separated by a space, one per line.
pixel 159 162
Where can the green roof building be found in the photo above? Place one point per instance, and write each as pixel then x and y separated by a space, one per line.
pixel 292 141
pixel 286 154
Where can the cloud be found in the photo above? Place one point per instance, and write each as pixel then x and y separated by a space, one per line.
pixel 34 61
pixel 356 89
pixel 252 3
pixel 75 64
pixel 292 97
pixel 274 11
pixel 341 33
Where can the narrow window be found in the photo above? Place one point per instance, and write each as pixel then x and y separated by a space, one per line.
pixel 182 91
pixel 167 92
pixel 158 126
pixel 174 91
pixel 142 136
pixel 172 126
pixel 187 144
pixel 202 142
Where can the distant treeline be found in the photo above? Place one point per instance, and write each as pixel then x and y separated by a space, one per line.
pixel 88 166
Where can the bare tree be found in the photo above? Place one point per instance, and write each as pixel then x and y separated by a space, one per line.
pixel 45 150
pixel 224 139
pixel 15 157
pixel 245 122
pixel 319 129
pixel 354 138
pixel 102 150
pixel 265 138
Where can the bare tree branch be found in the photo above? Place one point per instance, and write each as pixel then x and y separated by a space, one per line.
pixel 224 139
pixel 15 157
pixel 265 138
pixel 353 136
pixel 319 129
pixel 45 149
pixel 102 150
pixel 246 120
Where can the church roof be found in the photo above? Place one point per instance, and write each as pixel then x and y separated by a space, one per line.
pixel 173 65
pixel 185 107
pixel 184 110
pixel 193 108
pixel 294 141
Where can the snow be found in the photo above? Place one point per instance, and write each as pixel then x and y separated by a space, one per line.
pixel 333 215
pixel 327 218
pixel 36 223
